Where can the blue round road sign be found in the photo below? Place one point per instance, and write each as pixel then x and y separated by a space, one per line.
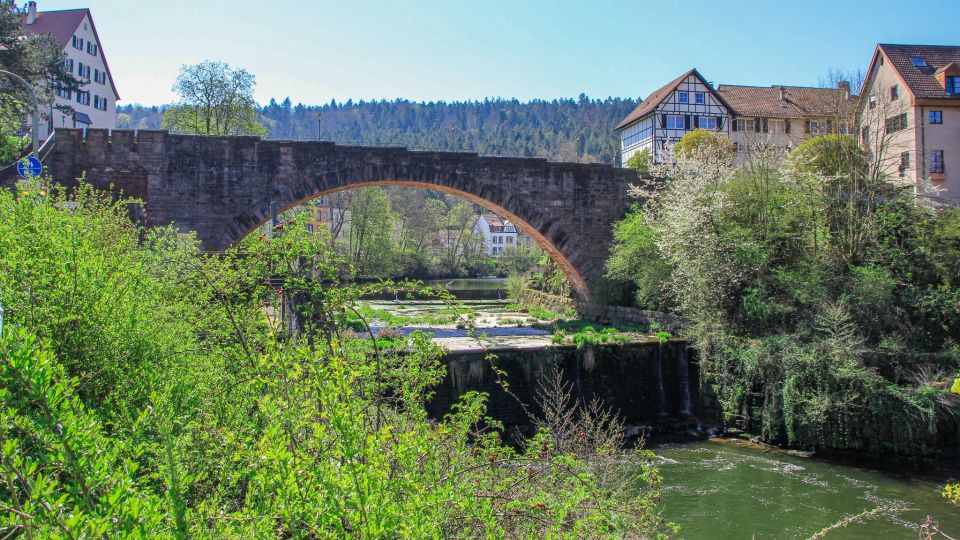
pixel 29 167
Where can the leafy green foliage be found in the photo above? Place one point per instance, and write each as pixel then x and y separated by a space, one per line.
pixel 215 99
pixel 149 390
pixel 824 309
pixel 707 144
pixel 640 161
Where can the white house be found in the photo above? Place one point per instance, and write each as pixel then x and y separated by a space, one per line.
pixel 95 106
pixel 498 233
pixel 682 105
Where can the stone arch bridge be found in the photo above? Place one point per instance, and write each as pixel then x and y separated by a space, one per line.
pixel 222 187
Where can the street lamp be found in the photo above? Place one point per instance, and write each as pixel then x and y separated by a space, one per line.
pixel 319 117
pixel 36 112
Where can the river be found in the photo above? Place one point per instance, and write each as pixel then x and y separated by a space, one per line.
pixel 721 491
pixel 726 490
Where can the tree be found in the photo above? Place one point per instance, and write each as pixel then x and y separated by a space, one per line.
pixel 830 155
pixel 371 233
pixel 35 58
pixel 215 99
pixel 701 142
pixel 639 161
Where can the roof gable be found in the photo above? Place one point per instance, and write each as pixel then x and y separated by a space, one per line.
pixel 920 79
pixel 659 95
pixel 62 25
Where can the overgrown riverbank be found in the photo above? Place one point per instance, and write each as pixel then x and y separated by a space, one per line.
pixel 151 391
pixel 825 307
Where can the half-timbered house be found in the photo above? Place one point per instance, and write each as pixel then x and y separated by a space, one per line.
pixel 670 112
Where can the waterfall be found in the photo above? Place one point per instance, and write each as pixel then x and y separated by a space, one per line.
pixel 684 378
pixel 661 394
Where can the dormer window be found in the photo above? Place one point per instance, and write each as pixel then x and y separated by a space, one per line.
pixel 684 97
pixel 953 85
pixel 918 61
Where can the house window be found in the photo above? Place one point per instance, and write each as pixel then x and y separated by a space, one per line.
pixel 936 161
pixel 96 102
pixel 676 122
pixel 684 97
pixel 843 128
pixel 66 94
pixel 707 122
pixel 509 239
pixel 746 124
pixel 700 98
pixel 936 117
pixel 310 227
pixel 873 101
pixel 904 163
pixel 896 123
pixel 776 125
pixel 818 127
pixel 894 93
pixel 83 98
pixel 68 63
pixel 953 85
pixel 865 136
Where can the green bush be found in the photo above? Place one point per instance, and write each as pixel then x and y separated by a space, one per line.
pixel 149 390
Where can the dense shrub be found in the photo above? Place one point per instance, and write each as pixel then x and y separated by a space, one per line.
pixel 825 309
pixel 152 391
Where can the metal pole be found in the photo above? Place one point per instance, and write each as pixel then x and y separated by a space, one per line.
pixel 36 112
pixel 319 117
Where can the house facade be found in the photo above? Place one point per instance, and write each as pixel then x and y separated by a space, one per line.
pixel 95 105
pixel 909 116
pixel 749 115
pixel 783 116
pixel 667 114
pixel 498 233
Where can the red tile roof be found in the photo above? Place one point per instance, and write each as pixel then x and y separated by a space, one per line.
pixel 798 101
pixel 920 79
pixel 62 25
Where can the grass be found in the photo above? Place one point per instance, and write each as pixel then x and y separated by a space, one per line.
pixel 447 315
pixel 590 336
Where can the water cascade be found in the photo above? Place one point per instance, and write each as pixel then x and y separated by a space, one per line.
pixel 684 381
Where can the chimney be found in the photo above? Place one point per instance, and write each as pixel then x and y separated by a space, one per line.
pixel 845 86
pixel 31 12
pixel 783 94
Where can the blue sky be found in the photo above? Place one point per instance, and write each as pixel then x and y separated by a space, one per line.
pixel 314 51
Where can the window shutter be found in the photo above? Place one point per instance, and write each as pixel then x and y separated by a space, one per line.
pixel 829 126
pixel 733 125
pixel 765 126
pixel 757 125
pixel 786 126
pixel 686 122
pixel 663 121
pixel 696 122
pixel 806 126
pixel 719 123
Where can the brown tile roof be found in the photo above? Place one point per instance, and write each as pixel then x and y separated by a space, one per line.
pixel 920 79
pixel 798 103
pixel 61 25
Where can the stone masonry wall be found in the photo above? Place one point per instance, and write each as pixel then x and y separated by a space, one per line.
pixel 222 187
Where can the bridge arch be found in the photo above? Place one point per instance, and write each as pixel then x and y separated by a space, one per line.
pixel 577 281
pixel 222 187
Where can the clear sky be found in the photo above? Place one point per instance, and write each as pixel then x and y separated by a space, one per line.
pixel 315 51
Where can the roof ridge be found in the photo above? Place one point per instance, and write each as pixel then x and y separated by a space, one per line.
pixel 916 45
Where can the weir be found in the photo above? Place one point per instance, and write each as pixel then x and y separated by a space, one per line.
pixel 647 384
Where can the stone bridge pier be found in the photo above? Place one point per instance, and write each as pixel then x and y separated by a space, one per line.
pixel 222 187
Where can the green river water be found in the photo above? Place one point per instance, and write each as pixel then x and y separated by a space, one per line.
pixel 723 491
